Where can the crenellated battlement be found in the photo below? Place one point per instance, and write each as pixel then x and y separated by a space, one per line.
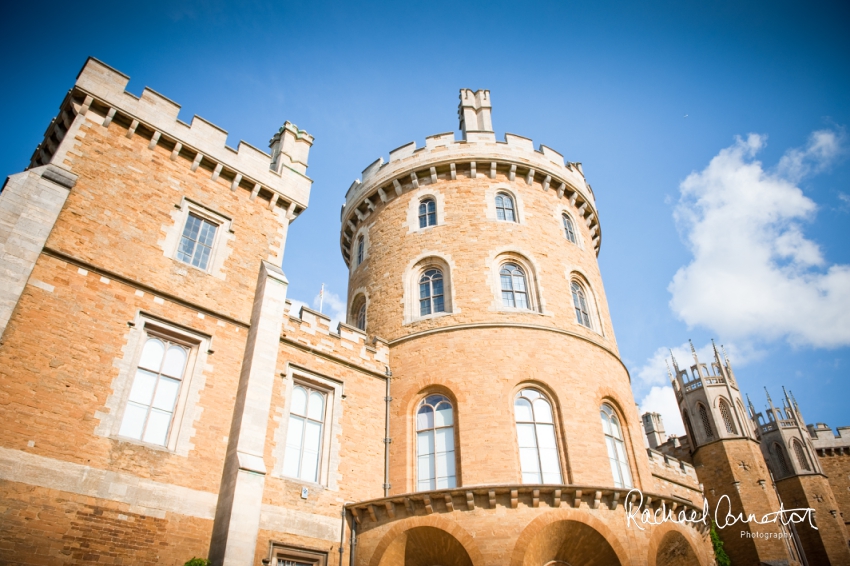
pixel 99 94
pixel 443 156
pixel 312 330
pixel 672 468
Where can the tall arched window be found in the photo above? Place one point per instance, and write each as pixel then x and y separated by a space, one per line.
pixel 779 457
pixel 427 212
pixel 726 413
pixel 801 455
pixel 360 249
pixel 358 312
pixel 569 229
pixel 505 207
pixel 435 444
pixel 431 298
pixel 616 447
pixel 580 304
pixel 535 430
pixel 514 287
pixel 706 422
pixel 304 435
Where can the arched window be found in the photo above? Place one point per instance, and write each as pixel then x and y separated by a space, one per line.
pixel 360 249
pixel 801 456
pixel 580 304
pixel 535 430
pixel 706 422
pixel 431 292
pixel 427 213
pixel 435 444
pixel 779 457
pixel 358 312
pixel 569 229
pixel 616 447
pixel 505 207
pixel 514 287
pixel 304 435
pixel 727 417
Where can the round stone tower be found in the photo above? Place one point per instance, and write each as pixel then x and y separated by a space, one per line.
pixel 476 260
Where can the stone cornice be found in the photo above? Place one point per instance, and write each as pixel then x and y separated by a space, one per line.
pixel 446 158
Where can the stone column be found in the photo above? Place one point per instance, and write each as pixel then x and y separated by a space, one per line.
pixel 237 517
pixel 30 203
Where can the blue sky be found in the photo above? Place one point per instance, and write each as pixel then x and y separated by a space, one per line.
pixel 708 231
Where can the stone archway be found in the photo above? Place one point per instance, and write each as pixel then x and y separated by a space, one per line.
pixel 569 542
pixel 425 546
pixel 675 550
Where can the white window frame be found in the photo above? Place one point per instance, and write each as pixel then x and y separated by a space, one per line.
pixel 455 451
pixel 535 423
pixel 182 424
pixel 328 476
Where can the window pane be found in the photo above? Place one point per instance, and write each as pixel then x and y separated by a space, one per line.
pixel 508 299
pixel 316 410
pixel 432 207
pixel 422 208
pixel 157 428
pixel 521 301
pixel 425 289
pixel 299 401
pixel 426 465
pixel 186 249
pixel 606 424
pixel 175 360
pixel 546 436
pixel 207 234
pixel 134 420
pixel 615 472
pixel 549 463
pixel 432 219
pixel 166 394
pixel 506 281
pixel 425 418
pixel 312 437
pixel 294 433
pixel 542 411
pixel 439 305
pixel 519 281
pixel 425 443
pixel 528 460
pixel 152 354
pixel 423 220
pixel 530 394
pixel 290 461
pixel 445 462
pixel 444 440
pixel 525 435
pixel 425 485
pixel 143 386
pixel 193 226
pixel 309 466
pixel 443 415
pixel 438 285
pixel 530 477
pixel 424 307
pixel 522 410
pixel 509 215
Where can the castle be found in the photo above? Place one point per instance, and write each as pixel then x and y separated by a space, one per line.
pixel 162 399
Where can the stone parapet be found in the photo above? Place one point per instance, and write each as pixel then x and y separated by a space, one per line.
pixel 671 469
pixel 99 93
pixel 824 439
pixel 312 330
pixel 446 158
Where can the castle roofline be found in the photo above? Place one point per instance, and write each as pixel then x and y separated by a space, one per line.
pixel 480 154
pixel 101 89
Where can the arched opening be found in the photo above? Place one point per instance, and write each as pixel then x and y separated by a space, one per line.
pixel 674 550
pixel 425 546
pixel 569 542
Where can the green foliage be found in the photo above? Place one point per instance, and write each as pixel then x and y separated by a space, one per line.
pixel 719 554
pixel 197 562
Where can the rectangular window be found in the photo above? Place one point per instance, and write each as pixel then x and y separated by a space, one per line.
pixel 149 412
pixel 283 555
pixel 302 457
pixel 197 241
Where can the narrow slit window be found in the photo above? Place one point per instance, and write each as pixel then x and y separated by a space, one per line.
pixel 197 241
pixel 360 248
pixel 569 229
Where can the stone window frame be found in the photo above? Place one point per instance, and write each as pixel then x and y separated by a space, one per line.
pixel 410 280
pixel 224 234
pixel 186 410
pixel 416 198
pixel 556 424
pixel 281 551
pixel 535 300
pixel 332 431
pixel 559 214
pixel 490 194
pixel 360 301
pixel 362 234
pixel 456 450
pixel 727 415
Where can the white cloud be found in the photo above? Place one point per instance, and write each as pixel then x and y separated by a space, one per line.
pixel 754 275
pixel 332 306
